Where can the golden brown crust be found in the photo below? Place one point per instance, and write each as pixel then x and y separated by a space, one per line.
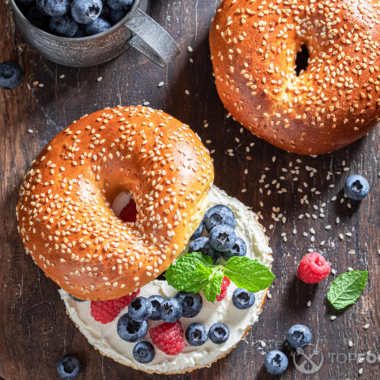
pixel 332 104
pixel 64 213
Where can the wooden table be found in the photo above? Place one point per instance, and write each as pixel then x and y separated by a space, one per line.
pixel 34 328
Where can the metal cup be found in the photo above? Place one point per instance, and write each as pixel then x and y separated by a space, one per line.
pixel 136 29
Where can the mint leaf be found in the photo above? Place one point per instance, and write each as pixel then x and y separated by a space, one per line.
pixel 248 274
pixel 194 272
pixel 347 288
pixel 213 286
pixel 189 272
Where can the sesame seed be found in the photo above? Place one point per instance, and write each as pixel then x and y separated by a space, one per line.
pixel 99 79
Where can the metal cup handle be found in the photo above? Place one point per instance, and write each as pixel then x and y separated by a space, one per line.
pixel 151 40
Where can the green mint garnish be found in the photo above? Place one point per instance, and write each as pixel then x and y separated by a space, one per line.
pixel 194 272
pixel 347 288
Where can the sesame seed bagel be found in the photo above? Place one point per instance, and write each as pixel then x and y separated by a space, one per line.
pixel 64 210
pixel 331 104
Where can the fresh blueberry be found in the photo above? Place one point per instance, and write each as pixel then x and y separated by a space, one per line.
pixel 356 187
pixel 68 367
pixel 219 333
pixel 143 352
pixel 198 232
pixel 196 334
pixel 140 309
pixel 116 16
pixel 156 301
pixel 24 4
pixel 105 12
pixel 63 26
pixel 222 238
pixel 276 362
pixel 242 299
pixel 98 26
pixel 191 303
pixel 36 18
pixel 299 336
pixel 76 299
pixel 239 249
pixel 217 215
pixel 203 245
pixel 53 8
pixel 81 32
pixel 170 310
pixel 10 75
pixel 86 11
pixel 120 5
pixel 129 330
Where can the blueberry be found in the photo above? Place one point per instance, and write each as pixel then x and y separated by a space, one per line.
pixel 36 18
pixel 203 245
pixel 170 310
pixel 276 362
pixel 81 32
pixel 53 8
pixel 120 5
pixel 156 301
pixel 191 303
pixel 116 16
pixel 68 367
pixel 86 11
pixel 98 26
pixel 63 26
pixel 218 215
pixel 143 352
pixel 356 187
pixel 242 299
pixel 299 336
pixel 76 299
pixel 140 309
pixel 196 334
pixel 129 330
pixel 222 238
pixel 105 12
pixel 198 232
pixel 239 249
pixel 219 333
pixel 10 75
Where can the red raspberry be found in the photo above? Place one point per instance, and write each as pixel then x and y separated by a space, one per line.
pixel 223 290
pixel 313 268
pixel 107 311
pixel 129 212
pixel 168 337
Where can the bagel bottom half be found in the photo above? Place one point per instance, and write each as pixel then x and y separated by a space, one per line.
pixel 104 337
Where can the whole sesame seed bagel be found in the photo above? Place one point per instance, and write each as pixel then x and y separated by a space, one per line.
pixel 64 210
pixel 332 103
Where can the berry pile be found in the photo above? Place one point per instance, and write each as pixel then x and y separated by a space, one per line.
pixel 74 18
pixel 220 223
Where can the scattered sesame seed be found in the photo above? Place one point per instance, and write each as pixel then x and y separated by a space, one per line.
pixel 308 303
pixel 190 49
pixel 62 76
pixel 187 92
pixel 99 79
pixel 366 327
pixel 332 318
pixel 30 130
pixel 160 84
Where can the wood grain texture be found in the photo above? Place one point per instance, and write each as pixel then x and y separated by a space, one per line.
pixel 34 328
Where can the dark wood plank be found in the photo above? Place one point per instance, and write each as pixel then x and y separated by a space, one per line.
pixel 34 329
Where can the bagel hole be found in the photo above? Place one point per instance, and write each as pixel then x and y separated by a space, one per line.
pixel 302 60
pixel 124 207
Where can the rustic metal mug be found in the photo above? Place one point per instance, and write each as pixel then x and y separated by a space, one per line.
pixel 136 29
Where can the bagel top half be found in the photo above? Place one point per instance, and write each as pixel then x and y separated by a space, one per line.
pixel 64 210
pixel 334 102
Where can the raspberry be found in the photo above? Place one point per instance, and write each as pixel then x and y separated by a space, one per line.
pixel 168 337
pixel 129 212
pixel 107 311
pixel 223 289
pixel 313 268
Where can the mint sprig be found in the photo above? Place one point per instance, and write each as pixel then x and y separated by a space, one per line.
pixel 194 272
pixel 347 288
